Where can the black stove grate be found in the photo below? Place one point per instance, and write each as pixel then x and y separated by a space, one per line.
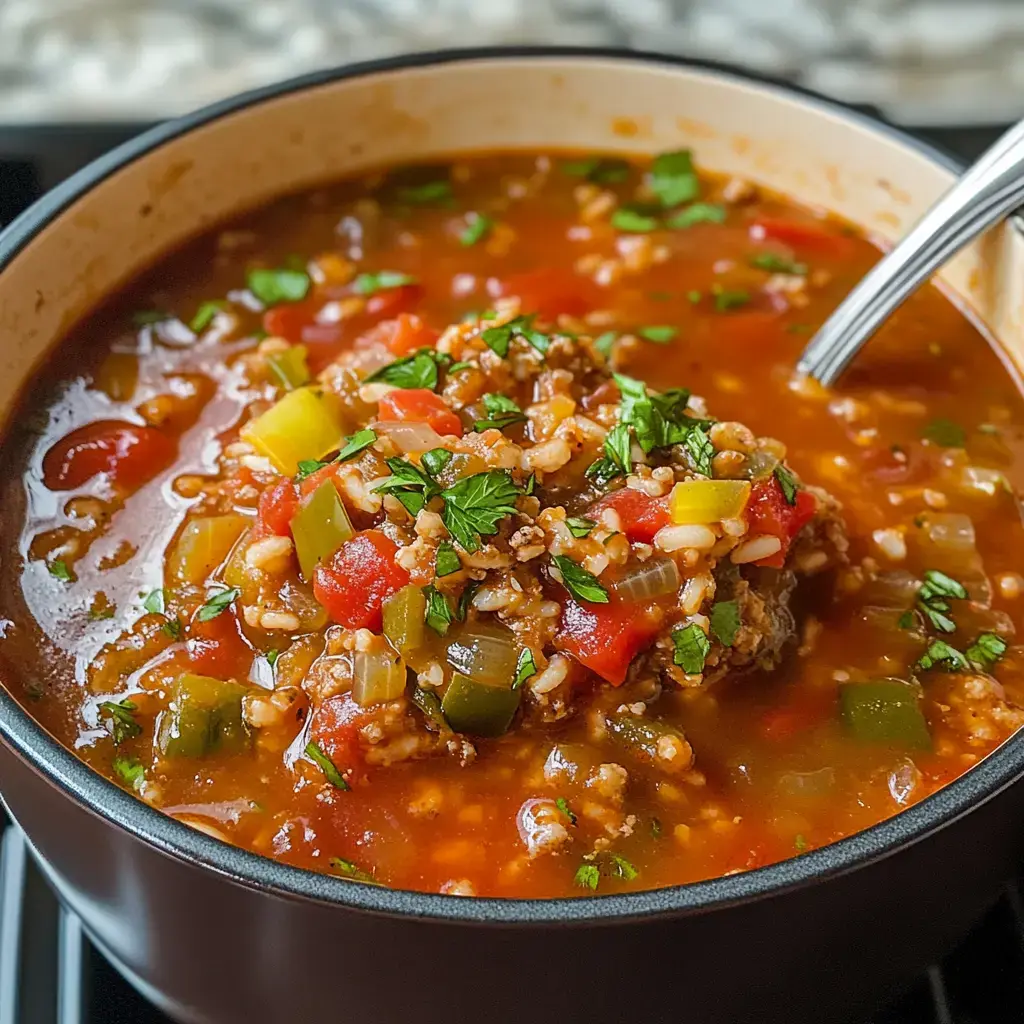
pixel 50 973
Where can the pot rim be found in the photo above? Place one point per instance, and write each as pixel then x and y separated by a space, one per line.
pixel 94 793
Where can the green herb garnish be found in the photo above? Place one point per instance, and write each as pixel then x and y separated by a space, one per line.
pixel 435 460
pixel 129 770
pixel 205 315
pixel 465 600
pixel 272 287
pixel 416 371
pixel 697 213
pixel 478 225
pixel 497 339
pixel 563 805
pixel 725 621
pixel 582 585
pixel 358 442
pixel 155 602
pixel 429 192
pixel 218 603
pixel 173 628
pixel 351 871
pixel 621 868
pixel 447 560
pixel 604 343
pixel 409 484
pixel 327 766
pixel 122 719
pixel 787 483
pixel 627 219
pixel 986 650
pixel 368 284
pixel 776 264
pixel 587 876
pixel 502 412
pixel 942 655
pixel 945 433
pixel 660 334
pixel 526 667
pixel 617 456
pixel 601 170
pixel 673 178
pixel 579 526
pixel 932 599
pixel 692 646
pixel 59 569
pixel 475 506
pixel 729 298
pixel 438 615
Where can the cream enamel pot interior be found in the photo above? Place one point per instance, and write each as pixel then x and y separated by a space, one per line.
pixel 217 935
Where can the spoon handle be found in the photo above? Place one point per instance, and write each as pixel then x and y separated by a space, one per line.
pixel 990 190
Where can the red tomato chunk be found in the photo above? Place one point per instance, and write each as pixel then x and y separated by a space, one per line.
pixel 129 454
pixel 418 405
pixel 642 516
pixel 606 637
pixel 770 513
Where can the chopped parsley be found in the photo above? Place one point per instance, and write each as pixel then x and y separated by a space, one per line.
pixel 627 218
pixel 465 600
pixel 579 526
pixel 729 298
pixel 700 450
pixel 933 599
pixel 272 655
pixel 351 871
pixel 172 627
pixel 601 170
pixel 799 843
pixel 563 805
pixel 582 585
pixel 155 602
pixel 409 484
pixel 368 284
pixel 307 467
pixel 438 614
pixel 430 705
pixel 326 765
pixel 435 460
pixel 673 178
pixel 658 420
pixel 429 192
pixel 147 317
pixel 656 828
pixel 447 560
pixel 906 620
pixel 129 770
pixel 497 339
pixel 692 646
pixel 205 315
pixel 59 569
pixel 616 460
pixel 122 719
pixel 942 655
pixel 97 613
pixel 461 365
pixel 502 412
pixel 587 876
pixel 272 287
pixel 945 433
pixel 787 483
pixel 697 213
pixel 478 226
pixel 475 505
pixel 358 442
pixel 660 334
pixel 416 371
pixel 986 650
pixel 604 343
pixel 218 603
pixel 531 484
pixel 693 296
pixel 725 621
pixel 776 264
pixel 526 667
pixel 621 868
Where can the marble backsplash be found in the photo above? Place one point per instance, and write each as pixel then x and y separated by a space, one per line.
pixel 923 62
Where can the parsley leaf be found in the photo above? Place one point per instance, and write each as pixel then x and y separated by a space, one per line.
pixel 447 560
pixel 673 178
pixel 604 343
pixel 465 600
pixel 700 450
pixel 475 505
pixel 327 766
pixel 563 805
pixel 438 615
pixel 368 284
pixel 218 603
pixel 435 460
pixel 945 433
pixel 272 287
pixel 617 457
pixel 122 720
pixel 587 876
pixel 942 655
pixel 307 467
pixel 526 667
pixel 416 371
pixel 986 650
pixel 146 317
pixel 660 334
pixel 502 413
pixel 172 627
pixel 656 829
pixel 478 225
pixel 729 298
pixel 429 192
pixel 579 526
pixel 697 213
pixel 155 602
pixel 693 296
pixel 497 339
pixel 932 599
pixel 602 170
pixel 776 264
pixel 456 367
pixel 725 621
pixel 59 569
pixel 351 871
pixel 409 484
pixel 129 770
pixel 272 655
pixel 358 442
pixel 787 483
pixel 582 585
pixel 621 868
pixel 205 315
pixel 626 218
pixel 658 420
pixel 692 646
pixel 906 620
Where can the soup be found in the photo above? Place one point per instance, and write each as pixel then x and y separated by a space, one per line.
pixel 463 528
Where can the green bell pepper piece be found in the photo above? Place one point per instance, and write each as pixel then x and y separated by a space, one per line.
pixel 884 711
pixel 404 614
pixel 320 527
pixel 477 708
pixel 205 715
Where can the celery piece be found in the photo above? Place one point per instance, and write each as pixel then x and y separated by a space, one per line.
pixel 289 367
pixel 404 614
pixel 378 676
pixel 202 547
pixel 205 715
pixel 302 426
pixel 477 708
pixel 884 711
pixel 708 501
pixel 320 527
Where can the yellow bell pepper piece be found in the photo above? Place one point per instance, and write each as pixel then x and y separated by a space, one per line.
pixel 302 426
pixel 708 501
pixel 203 546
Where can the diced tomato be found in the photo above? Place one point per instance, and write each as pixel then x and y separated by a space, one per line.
pixel 335 729
pixel 290 320
pixel 769 513
pixel 642 516
pixel 419 405
pixel 217 648
pixel 552 290
pixel 310 483
pixel 129 454
pixel 393 301
pixel 406 334
pixel 801 235
pixel 278 504
pixel 358 578
pixel 606 637
pixel 892 465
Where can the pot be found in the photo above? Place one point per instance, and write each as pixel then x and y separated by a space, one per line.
pixel 211 933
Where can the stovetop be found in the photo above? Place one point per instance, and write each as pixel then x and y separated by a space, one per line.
pixel 50 973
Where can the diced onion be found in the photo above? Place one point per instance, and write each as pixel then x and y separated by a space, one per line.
pixel 485 652
pixel 951 531
pixel 377 676
pixel 653 578
pixel 410 437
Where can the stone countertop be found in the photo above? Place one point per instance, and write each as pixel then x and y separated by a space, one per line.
pixel 920 61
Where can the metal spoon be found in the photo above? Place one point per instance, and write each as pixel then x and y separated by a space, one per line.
pixel 990 190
